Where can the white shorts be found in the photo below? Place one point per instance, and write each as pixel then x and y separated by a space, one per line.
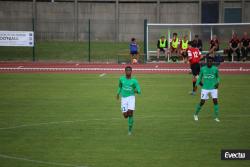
pixel 205 94
pixel 127 103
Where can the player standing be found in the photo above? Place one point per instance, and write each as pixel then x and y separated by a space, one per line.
pixel 209 75
pixel 194 56
pixel 134 50
pixel 128 86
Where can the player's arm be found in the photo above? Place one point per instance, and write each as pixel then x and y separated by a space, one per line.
pixel 200 45
pixel 189 55
pixel 200 55
pixel 119 89
pixel 137 88
pixel 218 79
pixel 198 82
pixel 238 46
pixel 158 44
pixel 241 43
pixel 230 45
pixel 166 44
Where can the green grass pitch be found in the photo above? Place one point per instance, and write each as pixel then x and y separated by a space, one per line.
pixel 49 120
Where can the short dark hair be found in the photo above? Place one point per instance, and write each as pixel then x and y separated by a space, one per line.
pixel 210 58
pixel 128 68
pixel 132 39
pixel 196 36
pixel 174 34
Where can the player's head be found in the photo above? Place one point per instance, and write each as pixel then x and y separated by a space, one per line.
pixel 234 35
pixel 174 35
pixel 210 61
pixel 214 37
pixel 245 34
pixel 128 71
pixel 185 37
pixel 132 39
pixel 196 36
pixel 162 37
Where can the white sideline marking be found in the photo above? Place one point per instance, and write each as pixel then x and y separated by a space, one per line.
pixel 113 69
pixel 102 75
pixel 38 161
pixel 47 123
pixel 99 119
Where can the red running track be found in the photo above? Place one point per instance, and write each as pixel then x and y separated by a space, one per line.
pixel 156 68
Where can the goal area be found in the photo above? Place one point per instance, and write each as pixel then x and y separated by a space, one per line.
pixel 223 31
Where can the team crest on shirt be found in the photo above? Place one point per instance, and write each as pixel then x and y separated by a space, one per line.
pixel 209 76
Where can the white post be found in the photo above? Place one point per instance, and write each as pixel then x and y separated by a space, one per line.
pixel 147 45
pixel 211 31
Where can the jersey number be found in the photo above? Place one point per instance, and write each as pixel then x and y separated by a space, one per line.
pixel 195 54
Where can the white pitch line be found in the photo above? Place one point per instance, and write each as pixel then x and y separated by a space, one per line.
pixel 48 123
pixel 102 75
pixel 114 69
pixel 38 161
pixel 101 119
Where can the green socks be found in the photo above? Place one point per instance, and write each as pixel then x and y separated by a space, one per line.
pixel 198 109
pixel 216 111
pixel 130 123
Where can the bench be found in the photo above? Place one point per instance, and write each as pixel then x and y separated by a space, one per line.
pixel 154 53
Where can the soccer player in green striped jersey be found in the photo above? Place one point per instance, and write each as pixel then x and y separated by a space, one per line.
pixel 210 76
pixel 128 86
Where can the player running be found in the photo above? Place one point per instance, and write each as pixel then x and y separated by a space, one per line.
pixel 194 56
pixel 209 75
pixel 128 86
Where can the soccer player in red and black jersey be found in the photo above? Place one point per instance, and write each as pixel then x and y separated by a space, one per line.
pixel 234 47
pixel 245 46
pixel 194 57
pixel 214 45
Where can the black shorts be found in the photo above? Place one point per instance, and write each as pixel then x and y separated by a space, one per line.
pixel 162 49
pixel 184 53
pixel 195 69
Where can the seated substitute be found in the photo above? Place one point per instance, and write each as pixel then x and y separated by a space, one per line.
pixel 162 46
pixel 214 46
pixel 197 43
pixel 234 47
pixel 245 46
pixel 134 50
pixel 184 48
pixel 174 47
